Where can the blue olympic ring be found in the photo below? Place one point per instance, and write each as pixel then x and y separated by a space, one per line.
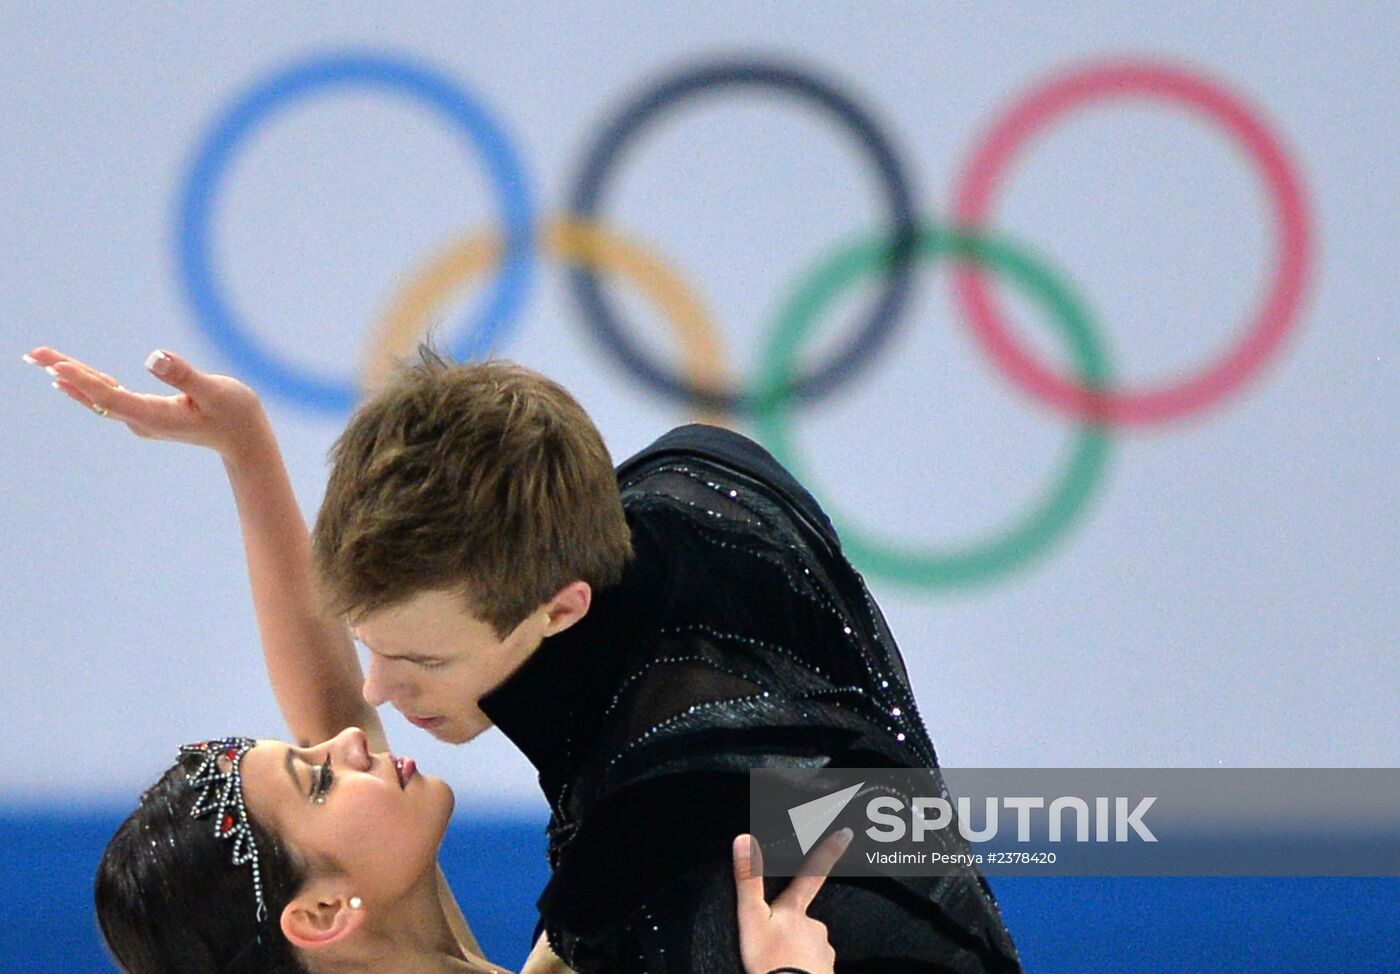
pixel 214 312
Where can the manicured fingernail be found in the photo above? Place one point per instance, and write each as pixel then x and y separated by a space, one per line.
pixel 50 370
pixel 56 386
pixel 844 837
pixel 158 362
pixel 30 359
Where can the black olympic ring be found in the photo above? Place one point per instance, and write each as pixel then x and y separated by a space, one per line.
pixel 598 309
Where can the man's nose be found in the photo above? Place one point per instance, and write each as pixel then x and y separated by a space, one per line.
pixel 377 689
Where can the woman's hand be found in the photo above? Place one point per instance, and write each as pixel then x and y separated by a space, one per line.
pixel 783 936
pixel 213 411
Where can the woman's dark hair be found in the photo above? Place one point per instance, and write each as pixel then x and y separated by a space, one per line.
pixel 170 900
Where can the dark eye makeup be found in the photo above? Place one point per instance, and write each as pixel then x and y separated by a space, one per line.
pixel 321 781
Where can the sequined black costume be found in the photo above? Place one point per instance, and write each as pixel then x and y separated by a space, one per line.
pixel 738 636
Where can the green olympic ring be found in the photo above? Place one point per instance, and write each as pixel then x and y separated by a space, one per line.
pixel 985 559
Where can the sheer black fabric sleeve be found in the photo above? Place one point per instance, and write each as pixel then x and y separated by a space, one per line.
pixel 691 927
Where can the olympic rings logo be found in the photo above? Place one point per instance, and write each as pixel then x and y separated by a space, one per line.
pixel 581 240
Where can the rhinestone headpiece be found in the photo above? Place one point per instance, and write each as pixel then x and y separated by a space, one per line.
pixel 223 794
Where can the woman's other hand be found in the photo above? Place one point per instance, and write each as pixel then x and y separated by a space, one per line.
pixel 214 411
pixel 783 935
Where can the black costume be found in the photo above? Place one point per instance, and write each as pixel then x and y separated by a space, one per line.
pixel 739 637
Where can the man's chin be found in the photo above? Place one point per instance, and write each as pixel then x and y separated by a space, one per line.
pixel 451 732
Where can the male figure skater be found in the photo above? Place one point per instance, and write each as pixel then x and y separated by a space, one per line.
pixel 646 636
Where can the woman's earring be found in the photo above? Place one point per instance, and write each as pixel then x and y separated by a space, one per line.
pixel 356 902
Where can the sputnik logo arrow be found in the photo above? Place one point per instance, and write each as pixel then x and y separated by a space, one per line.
pixel 811 819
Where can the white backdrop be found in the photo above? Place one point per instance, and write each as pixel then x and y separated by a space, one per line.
pixel 1227 596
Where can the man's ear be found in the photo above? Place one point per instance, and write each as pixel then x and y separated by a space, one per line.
pixel 569 605
pixel 314 920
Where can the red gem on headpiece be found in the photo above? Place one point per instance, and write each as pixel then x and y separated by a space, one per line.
pixel 220 791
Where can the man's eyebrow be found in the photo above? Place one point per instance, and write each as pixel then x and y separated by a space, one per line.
pixel 413 658
pixel 407 657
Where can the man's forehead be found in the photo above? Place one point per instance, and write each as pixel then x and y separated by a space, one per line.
pixel 432 616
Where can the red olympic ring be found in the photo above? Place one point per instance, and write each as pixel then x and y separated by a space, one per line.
pixel 1277 313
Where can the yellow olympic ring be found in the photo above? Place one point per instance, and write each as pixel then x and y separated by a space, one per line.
pixel 412 312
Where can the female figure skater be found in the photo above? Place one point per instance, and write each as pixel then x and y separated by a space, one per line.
pixel 271 857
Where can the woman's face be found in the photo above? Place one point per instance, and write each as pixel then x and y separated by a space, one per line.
pixel 371 817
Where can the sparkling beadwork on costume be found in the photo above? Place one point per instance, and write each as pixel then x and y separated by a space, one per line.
pixel 222 794
pixel 739 635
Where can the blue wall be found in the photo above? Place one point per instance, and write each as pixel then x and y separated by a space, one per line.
pixel 1073 926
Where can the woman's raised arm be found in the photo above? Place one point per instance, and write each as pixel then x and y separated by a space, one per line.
pixel 310 657
pixel 311 661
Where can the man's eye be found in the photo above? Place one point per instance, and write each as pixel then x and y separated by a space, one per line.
pixel 324 777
